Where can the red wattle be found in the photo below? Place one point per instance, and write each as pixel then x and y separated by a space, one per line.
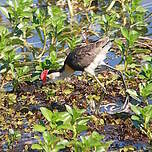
pixel 44 76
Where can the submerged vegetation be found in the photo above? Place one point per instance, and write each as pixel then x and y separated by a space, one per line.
pixel 51 117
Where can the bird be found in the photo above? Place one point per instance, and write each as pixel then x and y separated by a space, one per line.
pixel 86 58
pixel 82 58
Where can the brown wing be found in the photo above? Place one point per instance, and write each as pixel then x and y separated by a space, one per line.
pixel 82 56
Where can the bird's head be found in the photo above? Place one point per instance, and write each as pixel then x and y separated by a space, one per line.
pixel 53 76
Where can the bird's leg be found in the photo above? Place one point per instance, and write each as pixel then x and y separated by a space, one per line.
pixel 126 103
pixel 98 81
pixel 119 72
pixel 92 73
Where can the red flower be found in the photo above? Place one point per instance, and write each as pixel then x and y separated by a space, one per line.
pixel 44 76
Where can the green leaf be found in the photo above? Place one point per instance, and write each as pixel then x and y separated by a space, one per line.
pixel 97 136
pixel 136 2
pixel 147 90
pixel 66 126
pixel 26 69
pixel 46 113
pixel 104 18
pixel 135 118
pixel 17 56
pixel 69 109
pixel 141 9
pixel 129 59
pixel 77 113
pixel 47 137
pixel 87 2
pixel 63 142
pixel 133 36
pixel 15 4
pixel 53 56
pixel 81 128
pixel 120 45
pixel 60 145
pixel 133 94
pixel 39 128
pixel 4 11
pixel 147 119
pixel 83 121
pixel 65 117
pixel 36 146
pixel 125 32
pixel 12 69
pixel 135 109
pixel 103 148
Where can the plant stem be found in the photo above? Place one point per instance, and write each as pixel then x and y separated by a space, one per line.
pixel 111 5
pixel 126 63
pixel 70 9
pixel 75 132
pixel 44 45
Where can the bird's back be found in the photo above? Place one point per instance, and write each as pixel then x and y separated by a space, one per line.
pixel 83 56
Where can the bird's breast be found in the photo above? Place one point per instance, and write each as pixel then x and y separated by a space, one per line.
pixel 68 69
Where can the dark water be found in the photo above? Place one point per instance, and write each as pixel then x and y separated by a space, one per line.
pixel 148 5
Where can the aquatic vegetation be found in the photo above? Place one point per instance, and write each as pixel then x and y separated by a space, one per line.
pixel 142 119
pixel 64 131
pixel 37 37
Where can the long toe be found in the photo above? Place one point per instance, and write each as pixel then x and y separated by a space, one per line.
pixel 98 81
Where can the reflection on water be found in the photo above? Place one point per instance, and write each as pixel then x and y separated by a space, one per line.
pixel 147 4
pixel 2 2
